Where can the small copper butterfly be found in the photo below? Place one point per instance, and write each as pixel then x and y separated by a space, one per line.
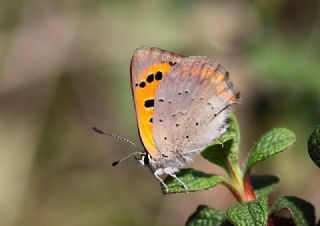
pixel 181 106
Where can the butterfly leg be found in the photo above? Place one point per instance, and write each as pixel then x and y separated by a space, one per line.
pixel 187 158
pixel 157 174
pixel 171 172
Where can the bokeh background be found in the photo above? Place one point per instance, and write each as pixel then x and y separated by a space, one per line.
pixel 64 67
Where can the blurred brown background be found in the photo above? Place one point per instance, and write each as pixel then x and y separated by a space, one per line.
pixel 64 67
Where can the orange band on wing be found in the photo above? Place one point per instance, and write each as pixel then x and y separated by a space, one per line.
pixel 144 93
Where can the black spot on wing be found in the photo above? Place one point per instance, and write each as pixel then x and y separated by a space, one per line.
pixel 149 103
pixel 158 75
pixel 142 84
pixel 150 78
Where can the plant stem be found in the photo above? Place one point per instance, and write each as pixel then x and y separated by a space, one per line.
pixel 234 191
pixel 240 186
pixel 248 189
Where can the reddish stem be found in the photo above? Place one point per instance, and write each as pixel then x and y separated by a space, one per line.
pixel 248 189
pixel 242 190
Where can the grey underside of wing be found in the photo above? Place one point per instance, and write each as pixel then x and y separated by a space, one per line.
pixel 188 113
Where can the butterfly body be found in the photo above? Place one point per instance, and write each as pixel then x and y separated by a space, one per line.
pixel 181 106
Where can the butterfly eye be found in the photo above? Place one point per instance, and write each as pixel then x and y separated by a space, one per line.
pixel 146 159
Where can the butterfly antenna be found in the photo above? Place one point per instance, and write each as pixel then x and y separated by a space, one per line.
pixel 129 156
pixel 100 131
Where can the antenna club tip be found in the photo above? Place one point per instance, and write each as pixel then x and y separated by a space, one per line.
pixel 95 129
pixel 115 163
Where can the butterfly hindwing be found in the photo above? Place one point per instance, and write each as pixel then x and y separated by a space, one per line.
pixel 191 105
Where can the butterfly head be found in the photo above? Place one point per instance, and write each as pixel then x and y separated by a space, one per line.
pixel 144 159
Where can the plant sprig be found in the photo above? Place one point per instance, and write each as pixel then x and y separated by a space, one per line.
pixel 251 191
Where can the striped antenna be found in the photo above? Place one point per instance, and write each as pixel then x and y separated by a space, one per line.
pixel 129 156
pixel 100 131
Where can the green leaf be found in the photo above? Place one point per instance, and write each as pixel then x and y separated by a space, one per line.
pixel 302 212
pixel 193 179
pixel 216 153
pixel 249 213
pixel 226 147
pixel 264 184
pixel 205 216
pixel 270 144
pixel 314 146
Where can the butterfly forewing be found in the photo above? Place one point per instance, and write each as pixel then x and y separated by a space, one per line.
pixel 149 66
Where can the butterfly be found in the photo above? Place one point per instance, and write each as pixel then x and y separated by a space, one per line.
pixel 181 106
